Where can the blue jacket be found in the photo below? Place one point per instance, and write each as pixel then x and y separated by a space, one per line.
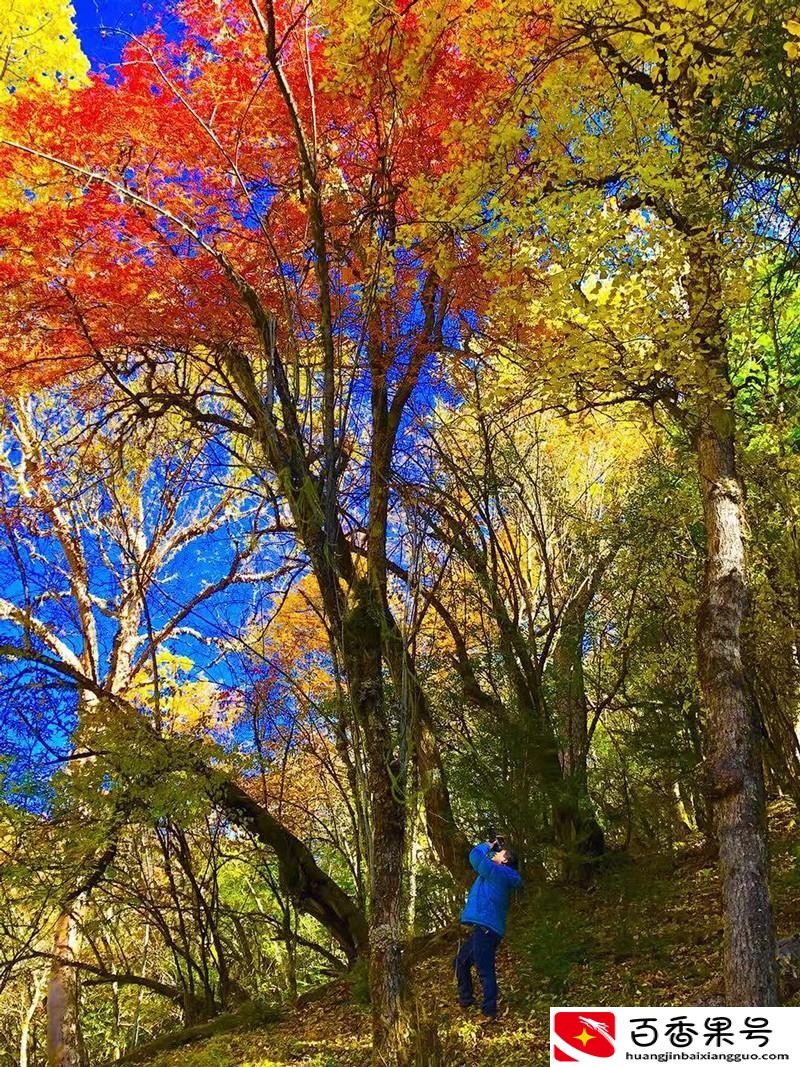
pixel 488 900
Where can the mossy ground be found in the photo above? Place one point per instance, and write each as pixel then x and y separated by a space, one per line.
pixel 647 932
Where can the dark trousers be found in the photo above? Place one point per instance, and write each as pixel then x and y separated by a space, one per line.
pixel 479 950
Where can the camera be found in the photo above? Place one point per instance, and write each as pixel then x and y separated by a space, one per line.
pixel 498 843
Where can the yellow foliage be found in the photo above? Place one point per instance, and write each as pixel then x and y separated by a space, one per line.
pixel 297 641
pixel 186 704
pixel 38 44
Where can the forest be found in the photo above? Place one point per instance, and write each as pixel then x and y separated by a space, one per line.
pixel 399 438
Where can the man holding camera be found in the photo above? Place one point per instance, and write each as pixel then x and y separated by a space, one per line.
pixel 486 911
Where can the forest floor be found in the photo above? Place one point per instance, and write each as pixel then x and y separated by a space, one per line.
pixel 647 933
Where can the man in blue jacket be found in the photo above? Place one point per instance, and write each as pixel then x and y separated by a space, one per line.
pixel 486 911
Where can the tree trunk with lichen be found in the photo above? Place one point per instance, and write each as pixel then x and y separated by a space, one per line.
pixel 734 776
pixel 362 647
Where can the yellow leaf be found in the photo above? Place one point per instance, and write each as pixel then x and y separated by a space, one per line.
pixel 38 43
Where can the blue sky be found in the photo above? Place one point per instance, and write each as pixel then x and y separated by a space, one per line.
pixel 103 24
pixel 103 28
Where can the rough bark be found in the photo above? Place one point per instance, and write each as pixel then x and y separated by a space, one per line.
pixel 363 653
pixel 734 776
pixel 449 842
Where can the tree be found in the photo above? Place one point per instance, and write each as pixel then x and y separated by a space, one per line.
pixel 291 204
pixel 646 221
pixel 527 513
pixel 92 529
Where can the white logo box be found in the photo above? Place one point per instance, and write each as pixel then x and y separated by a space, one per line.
pixel 616 1035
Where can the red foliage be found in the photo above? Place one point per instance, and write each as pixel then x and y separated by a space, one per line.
pixel 189 161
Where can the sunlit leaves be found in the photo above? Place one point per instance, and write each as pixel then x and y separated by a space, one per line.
pixel 792 46
pixel 38 44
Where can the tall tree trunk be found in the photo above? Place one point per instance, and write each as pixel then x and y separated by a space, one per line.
pixel 734 778
pixel 64 1039
pixel 578 833
pixel 570 697
pixel 358 628
pixel 362 647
